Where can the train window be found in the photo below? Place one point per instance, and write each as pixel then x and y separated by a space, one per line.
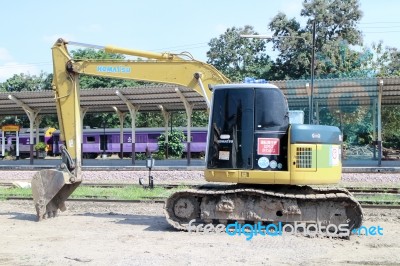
pixel 90 139
pixel 141 138
pixel 199 136
pixel 153 137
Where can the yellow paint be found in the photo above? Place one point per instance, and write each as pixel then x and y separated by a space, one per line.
pixel 12 128
pixel 163 68
pixel 49 132
pixel 318 173
pixel 229 176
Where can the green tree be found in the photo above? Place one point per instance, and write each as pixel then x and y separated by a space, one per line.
pixel 92 82
pixel 175 145
pixel 49 121
pixel 26 82
pixel 391 114
pixel 239 57
pixel 12 120
pixel 336 32
pixel 390 126
pixel 384 61
pixel 149 119
pixel 200 118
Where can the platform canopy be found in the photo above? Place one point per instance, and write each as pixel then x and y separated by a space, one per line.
pixel 332 93
pixel 336 93
pixel 148 98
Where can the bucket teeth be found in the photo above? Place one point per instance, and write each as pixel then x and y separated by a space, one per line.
pixel 50 189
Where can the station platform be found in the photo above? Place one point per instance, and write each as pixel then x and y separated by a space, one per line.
pixel 349 165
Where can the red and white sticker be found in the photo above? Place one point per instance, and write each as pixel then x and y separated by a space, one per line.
pixel 268 146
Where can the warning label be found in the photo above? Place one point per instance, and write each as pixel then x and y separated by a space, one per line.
pixel 268 146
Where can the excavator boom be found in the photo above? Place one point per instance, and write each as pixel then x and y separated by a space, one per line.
pixel 52 187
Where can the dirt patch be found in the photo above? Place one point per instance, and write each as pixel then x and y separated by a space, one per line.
pixel 138 234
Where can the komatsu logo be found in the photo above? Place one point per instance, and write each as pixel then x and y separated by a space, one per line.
pixel 113 69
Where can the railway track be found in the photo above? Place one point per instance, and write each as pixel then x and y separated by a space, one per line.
pixel 113 185
pixel 388 190
pixel 356 191
pixel 366 204
pixel 157 200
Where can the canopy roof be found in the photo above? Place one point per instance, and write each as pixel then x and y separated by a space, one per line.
pixel 327 92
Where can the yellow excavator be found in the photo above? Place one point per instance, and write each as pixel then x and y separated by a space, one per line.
pixel 265 163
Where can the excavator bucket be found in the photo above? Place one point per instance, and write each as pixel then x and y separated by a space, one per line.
pixel 50 190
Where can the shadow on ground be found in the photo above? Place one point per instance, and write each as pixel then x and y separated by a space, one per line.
pixel 154 223
pixel 20 216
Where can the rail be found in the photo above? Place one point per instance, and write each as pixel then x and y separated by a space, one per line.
pixel 358 192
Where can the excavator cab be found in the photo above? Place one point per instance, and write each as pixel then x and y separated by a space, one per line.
pixel 243 114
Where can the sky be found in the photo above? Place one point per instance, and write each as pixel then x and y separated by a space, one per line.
pixel 30 28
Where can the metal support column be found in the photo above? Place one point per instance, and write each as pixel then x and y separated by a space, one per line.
pixel 3 144
pixel 380 91
pixel 198 77
pixel 83 113
pixel 374 126
pixel 317 111
pixel 17 145
pixel 133 109
pixel 189 110
pixel 311 114
pixel 36 123
pixel 32 114
pixel 121 118
pixel 308 90
pixel 166 115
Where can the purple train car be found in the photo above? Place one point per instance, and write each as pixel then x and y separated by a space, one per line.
pixel 45 135
pixel 97 141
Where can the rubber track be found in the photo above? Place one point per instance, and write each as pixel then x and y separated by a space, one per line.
pixel 331 194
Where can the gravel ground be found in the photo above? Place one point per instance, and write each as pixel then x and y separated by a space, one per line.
pixel 138 234
pixel 175 176
pixel 117 176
